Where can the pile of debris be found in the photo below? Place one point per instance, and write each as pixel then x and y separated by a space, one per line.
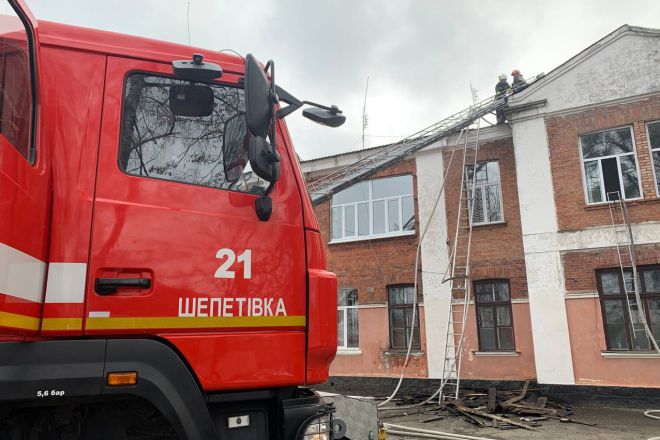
pixel 502 409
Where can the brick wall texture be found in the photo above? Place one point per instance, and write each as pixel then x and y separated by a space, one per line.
pixel 371 265
pixel 580 266
pixel 497 250
pixel 563 140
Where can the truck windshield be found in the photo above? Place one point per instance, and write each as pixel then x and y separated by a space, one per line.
pixel 157 143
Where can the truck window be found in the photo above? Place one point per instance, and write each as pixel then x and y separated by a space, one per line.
pixel 16 102
pixel 185 145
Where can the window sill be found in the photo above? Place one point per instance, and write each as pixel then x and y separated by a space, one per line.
pixel 415 353
pixel 485 225
pixel 632 202
pixel 348 352
pixel 629 355
pixel 496 353
pixel 372 237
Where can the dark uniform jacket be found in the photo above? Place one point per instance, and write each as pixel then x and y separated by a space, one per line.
pixel 501 87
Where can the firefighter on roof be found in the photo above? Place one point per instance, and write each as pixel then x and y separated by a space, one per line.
pixel 500 89
pixel 519 82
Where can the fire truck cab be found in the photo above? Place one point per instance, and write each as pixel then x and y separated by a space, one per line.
pixel 162 273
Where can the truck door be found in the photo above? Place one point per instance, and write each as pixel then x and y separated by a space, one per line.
pixel 23 176
pixel 177 250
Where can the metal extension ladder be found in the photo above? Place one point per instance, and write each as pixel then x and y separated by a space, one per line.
pixel 324 187
pixel 625 247
pixel 459 279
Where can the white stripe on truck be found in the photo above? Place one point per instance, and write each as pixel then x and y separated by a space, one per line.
pixel 21 275
pixel 66 283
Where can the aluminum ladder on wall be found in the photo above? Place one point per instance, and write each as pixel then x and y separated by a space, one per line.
pixel 459 279
pixel 626 252
pixel 325 186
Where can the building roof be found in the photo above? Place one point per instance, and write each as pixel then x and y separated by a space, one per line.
pixel 536 90
pixel 323 165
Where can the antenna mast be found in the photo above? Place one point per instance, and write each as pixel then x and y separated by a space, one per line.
pixel 365 122
pixel 188 20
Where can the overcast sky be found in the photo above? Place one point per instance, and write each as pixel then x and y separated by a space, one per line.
pixel 420 55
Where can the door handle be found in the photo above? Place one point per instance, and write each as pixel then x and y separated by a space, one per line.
pixel 107 286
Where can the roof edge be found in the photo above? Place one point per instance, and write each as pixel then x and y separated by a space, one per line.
pixel 583 55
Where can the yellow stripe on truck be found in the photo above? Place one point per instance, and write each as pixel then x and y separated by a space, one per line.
pixel 53 324
pixel 146 323
pixel 15 320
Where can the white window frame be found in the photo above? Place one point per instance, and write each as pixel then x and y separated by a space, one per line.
pixel 652 149
pixel 483 194
pixel 371 201
pixel 618 165
pixel 344 310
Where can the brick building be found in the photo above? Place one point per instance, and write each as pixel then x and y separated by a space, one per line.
pixel 550 299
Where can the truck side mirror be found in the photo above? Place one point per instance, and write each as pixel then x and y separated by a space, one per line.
pixel 258 100
pixel 330 118
pixel 235 147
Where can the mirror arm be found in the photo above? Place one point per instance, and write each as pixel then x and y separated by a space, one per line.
pixel 332 109
pixel 269 189
pixel 286 111
pixel 284 96
pixel 295 103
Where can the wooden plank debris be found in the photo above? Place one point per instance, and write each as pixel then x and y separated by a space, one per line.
pixel 491 407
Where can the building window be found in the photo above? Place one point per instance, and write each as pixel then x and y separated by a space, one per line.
pixel 348 329
pixel 624 330
pixel 187 132
pixel 610 165
pixel 487 196
pixel 16 94
pixel 374 208
pixel 653 131
pixel 400 300
pixel 494 316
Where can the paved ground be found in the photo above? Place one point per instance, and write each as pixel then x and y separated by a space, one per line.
pixel 612 424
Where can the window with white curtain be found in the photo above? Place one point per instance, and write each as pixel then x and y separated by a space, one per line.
pixel 487 197
pixel 374 208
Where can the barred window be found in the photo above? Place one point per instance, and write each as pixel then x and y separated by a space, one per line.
pixel 486 194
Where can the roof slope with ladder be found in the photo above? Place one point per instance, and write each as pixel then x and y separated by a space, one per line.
pixel 324 187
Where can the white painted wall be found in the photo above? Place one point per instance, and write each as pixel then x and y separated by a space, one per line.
pixel 545 280
pixel 537 202
pixel 623 64
pixel 434 257
pixel 590 238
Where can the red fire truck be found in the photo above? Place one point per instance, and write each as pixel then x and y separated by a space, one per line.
pixel 162 273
